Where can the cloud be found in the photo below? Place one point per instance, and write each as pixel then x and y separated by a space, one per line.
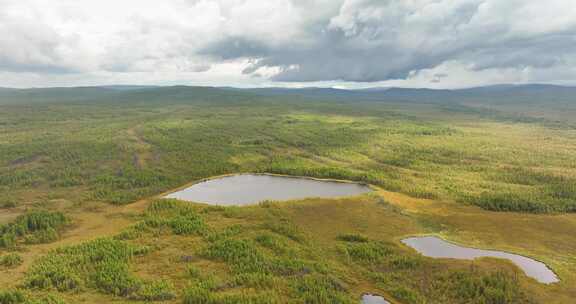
pixel 29 45
pixel 375 40
pixel 286 41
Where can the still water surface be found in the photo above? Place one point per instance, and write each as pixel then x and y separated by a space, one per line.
pixel 438 248
pixel 372 299
pixel 246 189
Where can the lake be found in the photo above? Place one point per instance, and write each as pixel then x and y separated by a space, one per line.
pixel 437 248
pixel 372 299
pixel 247 189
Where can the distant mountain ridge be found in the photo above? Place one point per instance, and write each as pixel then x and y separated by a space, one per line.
pixel 500 93
pixel 529 93
pixel 324 90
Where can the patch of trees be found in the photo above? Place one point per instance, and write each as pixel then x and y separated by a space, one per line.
pixel 102 264
pixel 33 227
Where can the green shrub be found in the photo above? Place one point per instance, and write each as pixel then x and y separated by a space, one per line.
pixel 273 243
pixel 53 271
pixel 187 224
pixel 11 260
pixel 241 255
pixel 12 297
pixel 225 233
pixel 370 252
pixel 319 289
pixel 8 239
pixel 199 295
pixel 353 238
pixel 129 234
pixel 36 226
pixel 255 280
pixel 285 228
pixel 193 272
pixel 113 277
pixel 289 266
pixel 403 262
pixel 156 291
pixel 491 288
pixel 42 236
pixel 8 203
pixel 102 263
pixel 19 297
pixel 246 297
pixel 179 216
pixel 407 295
pixel 267 204
pixel 509 201
pixel 164 205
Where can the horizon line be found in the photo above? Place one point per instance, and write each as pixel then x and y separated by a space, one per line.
pixel 290 88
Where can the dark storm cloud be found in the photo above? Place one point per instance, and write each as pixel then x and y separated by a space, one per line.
pixel 381 40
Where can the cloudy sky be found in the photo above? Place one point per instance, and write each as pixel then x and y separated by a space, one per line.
pixel 342 43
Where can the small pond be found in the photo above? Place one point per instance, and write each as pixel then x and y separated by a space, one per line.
pixel 437 248
pixel 246 189
pixel 372 299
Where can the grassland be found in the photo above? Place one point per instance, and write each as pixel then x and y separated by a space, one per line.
pixel 94 167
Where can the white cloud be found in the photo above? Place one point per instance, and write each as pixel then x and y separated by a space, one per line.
pixel 254 42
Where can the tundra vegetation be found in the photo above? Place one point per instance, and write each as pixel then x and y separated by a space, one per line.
pixel 81 170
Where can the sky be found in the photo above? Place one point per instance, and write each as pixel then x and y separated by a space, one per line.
pixel 291 43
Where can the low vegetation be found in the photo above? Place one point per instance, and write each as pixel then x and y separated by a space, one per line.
pixel 395 272
pixel 67 159
pixel 102 264
pixel 120 152
pixel 20 297
pixel 256 262
pixel 10 260
pixel 33 227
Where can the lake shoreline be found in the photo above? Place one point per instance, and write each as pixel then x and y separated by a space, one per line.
pixel 466 247
pixel 187 185
pixel 237 189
